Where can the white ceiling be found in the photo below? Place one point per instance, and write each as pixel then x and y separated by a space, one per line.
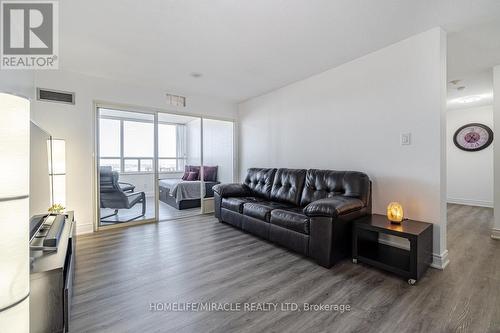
pixel 472 53
pixel 474 49
pixel 244 48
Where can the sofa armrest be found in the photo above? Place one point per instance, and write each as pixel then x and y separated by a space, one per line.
pixel 333 207
pixel 232 190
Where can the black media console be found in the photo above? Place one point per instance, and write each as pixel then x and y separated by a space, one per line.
pixel 52 249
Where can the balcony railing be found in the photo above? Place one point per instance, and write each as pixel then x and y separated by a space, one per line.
pixel 143 164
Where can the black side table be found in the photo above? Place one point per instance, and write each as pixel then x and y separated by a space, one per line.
pixel 410 264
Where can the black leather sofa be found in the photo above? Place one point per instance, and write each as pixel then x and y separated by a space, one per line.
pixel 307 211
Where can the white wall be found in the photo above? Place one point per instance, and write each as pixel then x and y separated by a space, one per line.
pixel 469 174
pixel 75 124
pixel 351 118
pixel 218 148
pixel 193 142
pixel 495 233
pixel 18 82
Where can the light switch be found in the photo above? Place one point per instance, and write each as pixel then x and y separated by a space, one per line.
pixel 405 139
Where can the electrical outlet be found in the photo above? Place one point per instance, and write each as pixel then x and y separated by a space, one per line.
pixel 405 139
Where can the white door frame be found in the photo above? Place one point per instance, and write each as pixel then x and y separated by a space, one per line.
pixel 154 111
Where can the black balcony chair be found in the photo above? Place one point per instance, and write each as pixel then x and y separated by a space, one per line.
pixel 117 195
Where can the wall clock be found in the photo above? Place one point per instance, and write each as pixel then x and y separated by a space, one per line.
pixel 473 137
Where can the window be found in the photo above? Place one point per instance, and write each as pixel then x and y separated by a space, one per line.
pixel 138 139
pixel 128 145
pixel 167 140
pixel 146 165
pixel 114 163
pixel 171 147
pixel 166 165
pixel 131 165
pixel 109 134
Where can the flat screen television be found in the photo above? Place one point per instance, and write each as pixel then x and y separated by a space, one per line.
pixel 40 175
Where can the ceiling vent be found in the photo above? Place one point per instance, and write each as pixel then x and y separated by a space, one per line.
pixel 175 100
pixel 49 95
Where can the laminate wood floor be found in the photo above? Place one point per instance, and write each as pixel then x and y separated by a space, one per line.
pixel 120 272
pixel 166 212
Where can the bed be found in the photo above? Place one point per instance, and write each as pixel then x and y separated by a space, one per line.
pixel 183 194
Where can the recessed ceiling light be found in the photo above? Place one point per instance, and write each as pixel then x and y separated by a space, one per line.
pixel 469 99
pixel 196 75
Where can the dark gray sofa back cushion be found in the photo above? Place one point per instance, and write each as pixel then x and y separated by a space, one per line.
pixel 260 181
pixel 320 184
pixel 288 185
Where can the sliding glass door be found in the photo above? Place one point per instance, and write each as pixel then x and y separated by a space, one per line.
pixel 156 166
pixel 126 168
pixel 179 166
pixel 218 158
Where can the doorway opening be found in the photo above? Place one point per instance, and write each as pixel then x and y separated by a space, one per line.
pixel 469 131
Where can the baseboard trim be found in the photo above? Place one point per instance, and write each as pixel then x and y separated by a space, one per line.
pixel 440 261
pixel 470 202
pixel 85 228
pixel 495 233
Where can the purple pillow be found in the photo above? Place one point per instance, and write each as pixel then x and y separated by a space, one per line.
pixel 190 168
pixel 210 173
pixel 193 168
pixel 192 176
pixel 186 172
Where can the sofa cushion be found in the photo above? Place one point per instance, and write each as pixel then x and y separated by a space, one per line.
pixel 262 210
pixel 232 190
pixel 333 207
pixel 292 219
pixel 260 181
pixel 288 185
pixel 320 184
pixel 236 204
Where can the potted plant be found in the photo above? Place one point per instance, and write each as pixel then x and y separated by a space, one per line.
pixel 56 209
